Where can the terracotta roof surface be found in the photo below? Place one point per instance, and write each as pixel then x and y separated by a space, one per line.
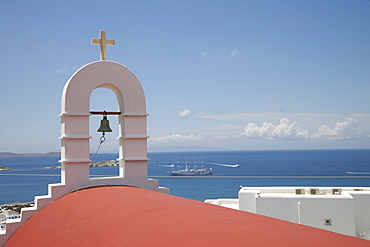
pixel 129 216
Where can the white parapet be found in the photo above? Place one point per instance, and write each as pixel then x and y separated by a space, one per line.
pixel 227 203
pixel 344 210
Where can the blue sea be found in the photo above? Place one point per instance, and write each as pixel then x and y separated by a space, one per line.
pixel 314 168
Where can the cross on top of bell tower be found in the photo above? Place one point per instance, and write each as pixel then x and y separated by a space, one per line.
pixel 103 42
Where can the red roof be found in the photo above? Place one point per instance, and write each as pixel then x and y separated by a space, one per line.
pixel 129 216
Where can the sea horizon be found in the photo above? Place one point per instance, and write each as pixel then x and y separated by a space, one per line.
pixel 56 153
pixel 318 168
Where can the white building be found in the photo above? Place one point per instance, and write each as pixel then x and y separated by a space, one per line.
pixel 2 222
pixel 344 210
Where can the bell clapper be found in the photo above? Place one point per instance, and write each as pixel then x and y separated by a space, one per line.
pixel 102 138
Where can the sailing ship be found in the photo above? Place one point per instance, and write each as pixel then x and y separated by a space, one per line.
pixel 191 172
pixel 195 171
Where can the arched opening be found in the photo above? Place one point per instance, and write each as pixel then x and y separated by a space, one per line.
pixel 104 156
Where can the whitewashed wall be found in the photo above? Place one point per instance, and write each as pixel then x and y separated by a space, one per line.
pixel 347 213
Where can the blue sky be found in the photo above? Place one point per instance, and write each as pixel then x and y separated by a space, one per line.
pixel 235 75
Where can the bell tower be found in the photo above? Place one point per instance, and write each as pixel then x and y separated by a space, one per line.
pixel 132 129
pixel 75 151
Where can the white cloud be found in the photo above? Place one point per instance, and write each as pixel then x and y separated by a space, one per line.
pixel 348 129
pixel 66 68
pixel 234 52
pixel 310 121
pixel 203 54
pixel 218 137
pixel 176 138
pixel 284 130
pixel 219 54
pixel 184 113
pixel 61 70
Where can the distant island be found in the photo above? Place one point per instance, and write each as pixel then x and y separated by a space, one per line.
pixel 105 163
pixel 23 155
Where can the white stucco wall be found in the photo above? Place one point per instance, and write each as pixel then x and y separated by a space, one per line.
pixel 347 212
pixel 362 212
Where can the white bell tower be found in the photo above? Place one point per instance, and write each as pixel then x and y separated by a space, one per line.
pixel 75 151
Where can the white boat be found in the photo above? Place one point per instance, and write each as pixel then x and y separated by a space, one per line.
pixel 191 171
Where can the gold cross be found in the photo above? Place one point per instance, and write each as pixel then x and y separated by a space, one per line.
pixel 103 42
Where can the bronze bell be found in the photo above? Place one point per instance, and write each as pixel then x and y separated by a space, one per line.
pixel 104 125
